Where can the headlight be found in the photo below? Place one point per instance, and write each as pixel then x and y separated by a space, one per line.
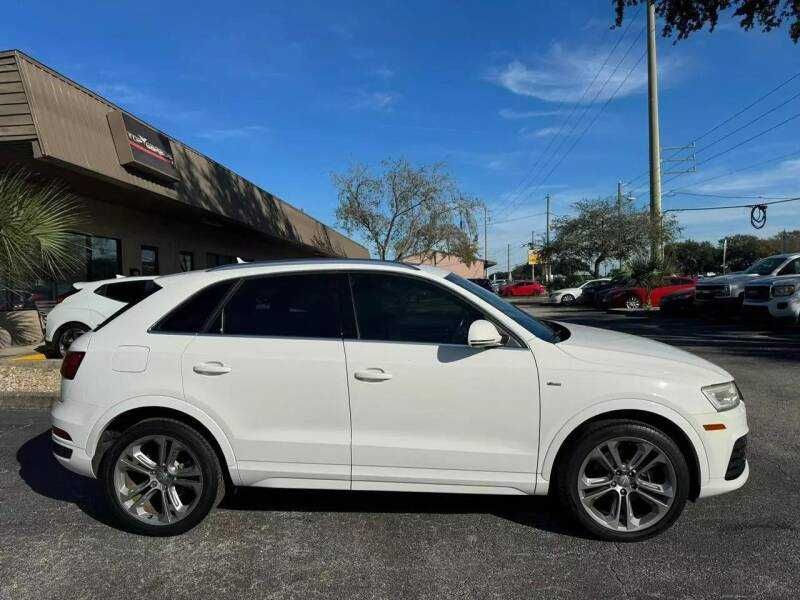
pixel 724 396
pixel 782 290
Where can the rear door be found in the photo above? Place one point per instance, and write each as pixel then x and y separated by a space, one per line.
pixel 270 368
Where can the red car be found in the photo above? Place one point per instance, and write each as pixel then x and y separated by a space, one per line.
pixel 636 297
pixel 523 288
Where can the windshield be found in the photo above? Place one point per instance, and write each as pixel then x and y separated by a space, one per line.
pixel 519 316
pixel 766 265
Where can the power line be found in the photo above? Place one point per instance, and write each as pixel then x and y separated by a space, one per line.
pixel 694 208
pixel 741 169
pixel 529 178
pixel 731 197
pixel 729 119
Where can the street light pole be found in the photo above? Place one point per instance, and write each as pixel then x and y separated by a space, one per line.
pixel 547 239
pixel 485 240
pixel 656 249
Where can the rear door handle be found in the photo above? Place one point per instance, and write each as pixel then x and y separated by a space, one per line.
pixel 372 375
pixel 211 368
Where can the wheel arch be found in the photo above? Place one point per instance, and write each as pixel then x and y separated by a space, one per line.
pixel 659 416
pixel 126 414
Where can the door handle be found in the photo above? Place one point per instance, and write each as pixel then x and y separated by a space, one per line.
pixel 211 368
pixel 372 375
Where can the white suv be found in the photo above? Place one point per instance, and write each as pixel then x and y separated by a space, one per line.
pixel 93 303
pixel 364 375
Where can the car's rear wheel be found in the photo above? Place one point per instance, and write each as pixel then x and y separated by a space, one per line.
pixel 624 480
pixel 567 299
pixel 64 337
pixel 161 477
pixel 633 302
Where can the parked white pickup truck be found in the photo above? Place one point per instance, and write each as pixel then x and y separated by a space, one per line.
pixel 777 296
pixel 727 291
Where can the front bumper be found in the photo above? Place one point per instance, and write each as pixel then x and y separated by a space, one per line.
pixel 721 450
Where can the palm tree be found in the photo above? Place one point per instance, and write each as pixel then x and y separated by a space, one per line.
pixel 36 225
pixel 649 272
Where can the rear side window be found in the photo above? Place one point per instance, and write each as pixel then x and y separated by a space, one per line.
pixel 192 315
pixel 303 305
pixel 393 308
pixel 129 292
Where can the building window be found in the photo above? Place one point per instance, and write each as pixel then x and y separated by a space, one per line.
pixel 149 260
pixel 217 260
pixel 187 261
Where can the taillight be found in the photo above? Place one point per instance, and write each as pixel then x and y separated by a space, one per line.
pixel 70 364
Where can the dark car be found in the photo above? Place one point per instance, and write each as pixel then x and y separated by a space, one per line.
pixel 484 283
pixel 596 295
pixel 678 303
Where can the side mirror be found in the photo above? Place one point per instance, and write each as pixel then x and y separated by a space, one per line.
pixel 483 334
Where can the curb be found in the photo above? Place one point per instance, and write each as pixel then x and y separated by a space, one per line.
pixel 28 400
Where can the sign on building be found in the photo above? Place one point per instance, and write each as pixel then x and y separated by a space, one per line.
pixel 140 147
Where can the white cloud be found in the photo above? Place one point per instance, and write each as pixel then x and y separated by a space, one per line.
pixel 562 75
pixel 511 114
pixel 539 133
pixel 379 101
pixel 232 133
pixel 384 73
pixel 765 182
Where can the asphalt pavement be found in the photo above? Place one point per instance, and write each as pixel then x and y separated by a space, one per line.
pixel 56 540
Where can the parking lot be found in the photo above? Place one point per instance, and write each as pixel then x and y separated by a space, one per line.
pixel 55 539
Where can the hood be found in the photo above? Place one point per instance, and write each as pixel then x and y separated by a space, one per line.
pixel 777 279
pixel 638 355
pixel 730 278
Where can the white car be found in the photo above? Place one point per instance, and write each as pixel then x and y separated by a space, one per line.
pixel 93 303
pixel 365 375
pixel 778 297
pixel 570 295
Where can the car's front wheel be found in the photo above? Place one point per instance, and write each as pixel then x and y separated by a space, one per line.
pixel 161 477
pixel 567 299
pixel 624 480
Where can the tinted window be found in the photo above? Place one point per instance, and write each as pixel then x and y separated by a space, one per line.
pixel 403 309
pixel 536 327
pixel 192 315
pixel 766 265
pixel 129 292
pixel 792 268
pixel 288 305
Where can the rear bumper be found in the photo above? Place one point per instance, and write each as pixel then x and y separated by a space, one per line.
pixel 74 417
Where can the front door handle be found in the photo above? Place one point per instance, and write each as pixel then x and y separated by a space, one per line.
pixel 372 375
pixel 211 368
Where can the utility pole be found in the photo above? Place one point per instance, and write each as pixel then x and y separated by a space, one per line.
pixel 485 240
pixel 656 249
pixel 725 256
pixel 619 223
pixel 508 262
pixel 533 267
pixel 547 239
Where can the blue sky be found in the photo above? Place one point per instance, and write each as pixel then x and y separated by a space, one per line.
pixel 286 93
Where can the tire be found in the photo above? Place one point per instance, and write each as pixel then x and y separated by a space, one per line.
pixel 201 488
pixel 567 299
pixel 64 337
pixel 633 302
pixel 663 466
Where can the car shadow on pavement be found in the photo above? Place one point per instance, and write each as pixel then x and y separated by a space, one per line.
pixel 42 473
pixel 536 512
pixel 40 470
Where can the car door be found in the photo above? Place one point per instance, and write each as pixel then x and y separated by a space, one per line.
pixel 428 411
pixel 270 368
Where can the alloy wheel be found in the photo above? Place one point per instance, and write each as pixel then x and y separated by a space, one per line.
pixel 633 302
pixel 626 484
pixel 567 299
pixel 158 480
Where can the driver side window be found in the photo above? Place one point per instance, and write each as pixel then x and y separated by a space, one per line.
pixel 394 308
pixel 792 268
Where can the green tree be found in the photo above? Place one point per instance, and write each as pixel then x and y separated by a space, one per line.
pixel 408 211
pixel 694 258
pixel 36 222
pixel 744 250
pixel 684 17
pixel 600 231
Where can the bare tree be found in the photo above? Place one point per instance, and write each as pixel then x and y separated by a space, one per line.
pixel 407 211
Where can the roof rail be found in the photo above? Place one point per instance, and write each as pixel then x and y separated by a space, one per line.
pixel 311 261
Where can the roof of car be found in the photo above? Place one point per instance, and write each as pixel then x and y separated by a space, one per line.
pixel 330 262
